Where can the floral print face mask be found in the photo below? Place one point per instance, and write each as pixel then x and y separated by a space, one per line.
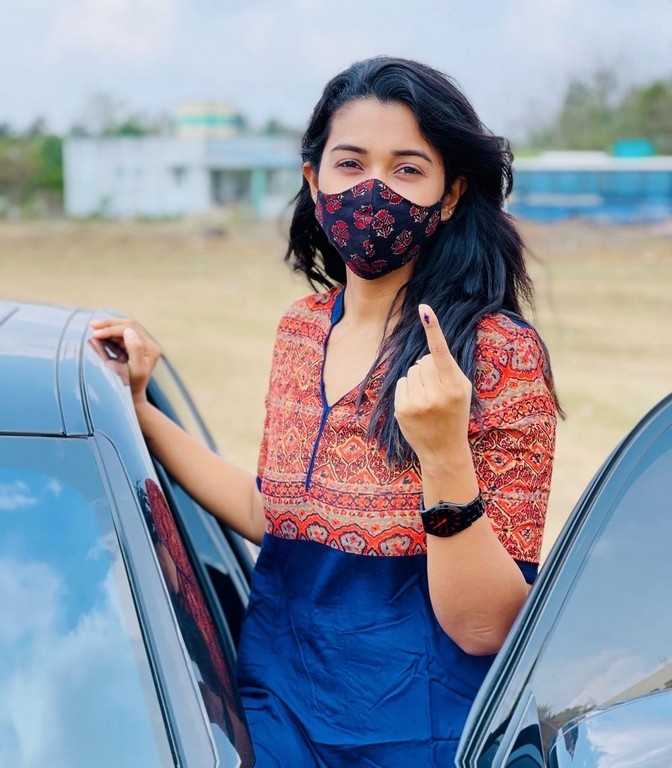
pixel 374 229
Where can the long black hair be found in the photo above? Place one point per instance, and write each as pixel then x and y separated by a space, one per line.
pixel 471 267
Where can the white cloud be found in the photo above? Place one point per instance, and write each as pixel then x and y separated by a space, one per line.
pixel 646 744
pixel 568 37
pixel 105 545
pixel 136 29
pixel 21 585
pixel 271 58
pixel 259 26
pixel 55 486
pixel 68 690
pixel 15 495
pixel 592 679
pixel 609 672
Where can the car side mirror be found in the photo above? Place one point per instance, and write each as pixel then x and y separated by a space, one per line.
pixel 633 732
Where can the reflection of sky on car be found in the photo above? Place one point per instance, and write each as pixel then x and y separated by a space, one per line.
pixel 616 625
pixel 636 735
pixel 632 747
pixel 74 681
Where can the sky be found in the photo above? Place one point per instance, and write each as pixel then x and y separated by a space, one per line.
pixel 69 631
pixel 271 58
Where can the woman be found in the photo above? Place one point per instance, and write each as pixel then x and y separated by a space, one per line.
pixel 410 425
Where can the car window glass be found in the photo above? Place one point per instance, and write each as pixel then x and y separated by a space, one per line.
pixel 165 379
pixel 611 640
pixel 76 686
pixel 204 645
pixel 167 394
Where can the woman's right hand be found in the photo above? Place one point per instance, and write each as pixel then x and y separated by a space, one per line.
pixel 143 352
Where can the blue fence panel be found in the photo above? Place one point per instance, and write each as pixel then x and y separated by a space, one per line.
pixel 631 195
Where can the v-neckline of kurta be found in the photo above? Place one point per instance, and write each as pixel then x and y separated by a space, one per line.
pixel 335 316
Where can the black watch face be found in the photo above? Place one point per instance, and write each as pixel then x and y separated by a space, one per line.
pixel 446 521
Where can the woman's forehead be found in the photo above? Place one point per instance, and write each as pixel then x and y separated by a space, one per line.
pixel 374 125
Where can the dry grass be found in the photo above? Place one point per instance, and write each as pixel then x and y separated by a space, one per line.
pixel 604 305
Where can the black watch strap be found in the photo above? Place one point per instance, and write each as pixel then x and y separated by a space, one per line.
pixel 447 519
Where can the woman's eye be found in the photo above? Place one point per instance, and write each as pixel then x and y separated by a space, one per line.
pixel 347 164
pixel 410 169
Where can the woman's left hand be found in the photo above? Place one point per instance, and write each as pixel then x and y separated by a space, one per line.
pixel 433 400
pixel 141 350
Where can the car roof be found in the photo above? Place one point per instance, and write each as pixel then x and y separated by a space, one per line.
pixel 42 370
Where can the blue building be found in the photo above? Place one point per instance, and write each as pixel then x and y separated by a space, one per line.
pixel 592 185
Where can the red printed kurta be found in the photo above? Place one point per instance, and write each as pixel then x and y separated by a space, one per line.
pixel 323 479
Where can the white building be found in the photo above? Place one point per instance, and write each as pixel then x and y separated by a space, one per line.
pixel 161 176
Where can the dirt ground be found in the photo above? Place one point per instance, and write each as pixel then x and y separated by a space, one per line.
pixel 213 298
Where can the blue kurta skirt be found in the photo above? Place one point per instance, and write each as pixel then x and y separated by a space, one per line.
pixel 342 662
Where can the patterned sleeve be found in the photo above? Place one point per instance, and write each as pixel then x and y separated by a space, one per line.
pixel 278 372
pixel 512 433
pixel 291 326
pixel 263 448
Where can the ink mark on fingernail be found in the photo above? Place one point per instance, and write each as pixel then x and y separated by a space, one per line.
pixel 425 317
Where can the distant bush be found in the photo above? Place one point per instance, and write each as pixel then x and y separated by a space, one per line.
pixel 31 173
pixel 596 113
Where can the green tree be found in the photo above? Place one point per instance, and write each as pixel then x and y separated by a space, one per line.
pixel 31 167
pixel 646 112
pixel 104 115
pixel 596 112
pixel 586 118
pixel 49 166
pixel 18 165
pixel 274 127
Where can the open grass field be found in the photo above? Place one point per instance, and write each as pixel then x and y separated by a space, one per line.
pixel 604 307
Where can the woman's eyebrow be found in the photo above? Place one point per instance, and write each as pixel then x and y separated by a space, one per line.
pixel 412 153
pixel 348 148
pixel 396 152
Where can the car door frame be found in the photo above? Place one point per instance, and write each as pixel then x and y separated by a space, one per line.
pixel 501 695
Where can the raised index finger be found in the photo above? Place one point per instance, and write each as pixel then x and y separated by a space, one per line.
pixel 436 341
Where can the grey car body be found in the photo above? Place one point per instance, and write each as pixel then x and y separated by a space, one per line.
pixel 121 600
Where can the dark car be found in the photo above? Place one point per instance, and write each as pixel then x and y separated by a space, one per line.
pixel 575 683
pixel 121 600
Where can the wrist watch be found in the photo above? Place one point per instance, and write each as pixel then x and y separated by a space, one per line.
pixel 447 519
